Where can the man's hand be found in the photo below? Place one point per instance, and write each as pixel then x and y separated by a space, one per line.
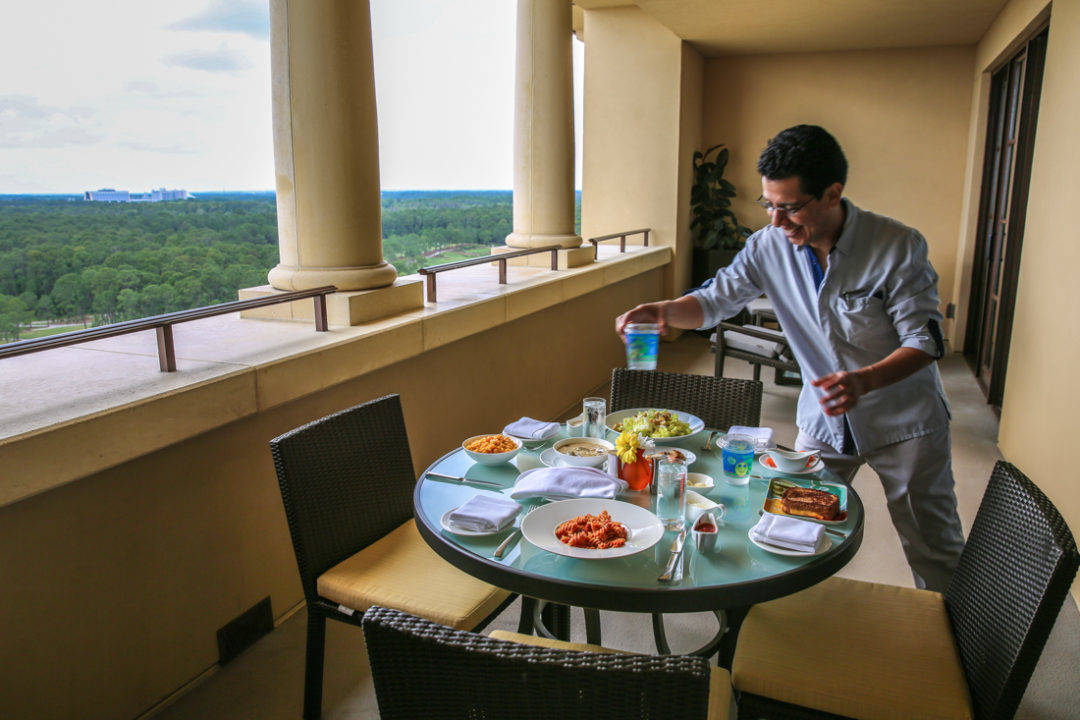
pixel 843 389
pixel 646 313
pixel 684 312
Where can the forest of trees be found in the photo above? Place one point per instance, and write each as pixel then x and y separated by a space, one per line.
pixel 66 260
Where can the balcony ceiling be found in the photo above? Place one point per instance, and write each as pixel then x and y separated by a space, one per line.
pixel 739 27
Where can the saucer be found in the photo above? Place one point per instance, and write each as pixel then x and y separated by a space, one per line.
pixel 550 457
pixel 767 462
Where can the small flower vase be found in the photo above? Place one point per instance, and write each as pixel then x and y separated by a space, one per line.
pixel 638 474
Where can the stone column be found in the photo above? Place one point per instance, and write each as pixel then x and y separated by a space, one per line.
pixel 544 127
pixel 326 147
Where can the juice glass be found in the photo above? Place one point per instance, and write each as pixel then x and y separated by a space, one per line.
pixel 737 452
pixel 642 345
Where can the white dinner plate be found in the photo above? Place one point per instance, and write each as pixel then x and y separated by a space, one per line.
pixel 776 550
pixel 806 471
pixel 696 424
pixel 452 528
pixel 538 527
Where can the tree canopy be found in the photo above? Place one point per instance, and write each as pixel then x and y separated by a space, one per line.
pixel 64 258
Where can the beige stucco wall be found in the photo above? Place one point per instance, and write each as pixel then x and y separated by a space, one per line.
pixel 901 117
pixel 115 584
pixel 642 90
pixel 1042 394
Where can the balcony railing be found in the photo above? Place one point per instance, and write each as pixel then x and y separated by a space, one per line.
pixel 432 271
pixel 622 240
pixel 163 325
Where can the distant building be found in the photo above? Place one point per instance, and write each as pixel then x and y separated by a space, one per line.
pixel 159 195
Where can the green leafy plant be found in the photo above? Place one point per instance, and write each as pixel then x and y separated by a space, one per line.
pixel 710 204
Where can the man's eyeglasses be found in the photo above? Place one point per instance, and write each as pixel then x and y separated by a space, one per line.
pixel 788 209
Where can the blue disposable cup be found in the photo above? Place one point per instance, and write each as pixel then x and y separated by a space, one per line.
pixel 642 345
pixel 737 453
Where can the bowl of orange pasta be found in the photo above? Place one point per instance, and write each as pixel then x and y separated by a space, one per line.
pixel 491 449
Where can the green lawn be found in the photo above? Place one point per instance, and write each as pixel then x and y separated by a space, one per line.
pixel 43 332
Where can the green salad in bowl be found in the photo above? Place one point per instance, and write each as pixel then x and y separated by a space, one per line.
pixel 654 424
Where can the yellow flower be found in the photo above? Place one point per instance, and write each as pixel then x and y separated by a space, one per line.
pixel 627 445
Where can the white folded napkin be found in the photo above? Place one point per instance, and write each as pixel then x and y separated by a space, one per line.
pixel 762 435
pixel 526 427
pixel 567 482
pixel 484 513
pixel 789 533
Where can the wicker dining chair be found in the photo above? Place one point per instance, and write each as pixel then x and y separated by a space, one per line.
pixel 346 483
pixel 862 650
pixel 425 670
pixel 719 402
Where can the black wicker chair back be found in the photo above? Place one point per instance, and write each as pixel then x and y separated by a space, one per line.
pixel 346 481
pixel 719 402
pixel 425 670
pixel 1013 577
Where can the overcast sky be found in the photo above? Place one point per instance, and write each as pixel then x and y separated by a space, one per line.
pixel 134 94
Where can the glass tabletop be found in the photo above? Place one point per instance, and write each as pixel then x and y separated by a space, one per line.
pixel 736 572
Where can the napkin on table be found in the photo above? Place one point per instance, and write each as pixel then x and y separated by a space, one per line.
pixel 789 533
pixel 484 513
pixel 567 482
pixel 526 427
pixel 762 435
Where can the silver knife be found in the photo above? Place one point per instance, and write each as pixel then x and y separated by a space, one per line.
pixel 506 543
pixel 485 483
pixel 673 561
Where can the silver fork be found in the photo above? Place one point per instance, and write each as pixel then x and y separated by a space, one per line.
pixel 708 443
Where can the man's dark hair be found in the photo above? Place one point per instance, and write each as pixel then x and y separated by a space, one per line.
pixel 807 152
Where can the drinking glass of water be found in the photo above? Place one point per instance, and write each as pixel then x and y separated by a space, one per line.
pixel 671 494
pixel 594 413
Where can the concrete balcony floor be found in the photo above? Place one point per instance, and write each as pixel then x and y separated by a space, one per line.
pixel 267 680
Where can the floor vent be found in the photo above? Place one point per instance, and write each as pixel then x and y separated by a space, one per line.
pixel 241 633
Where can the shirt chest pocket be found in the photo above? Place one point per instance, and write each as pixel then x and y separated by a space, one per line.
pixel 863 322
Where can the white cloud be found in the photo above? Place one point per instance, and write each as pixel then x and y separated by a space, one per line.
pixel 237 16
pixel 222 60
pixel 26 123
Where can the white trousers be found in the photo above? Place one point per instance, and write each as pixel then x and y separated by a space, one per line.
pixel 917 477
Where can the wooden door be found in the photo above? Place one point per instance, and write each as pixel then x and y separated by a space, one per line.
pixel 1010 139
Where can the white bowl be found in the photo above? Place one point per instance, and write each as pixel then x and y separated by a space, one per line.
pixel 699 481
pixel 575 426
pixel 791 460
pixel 491 458
pixel 597 461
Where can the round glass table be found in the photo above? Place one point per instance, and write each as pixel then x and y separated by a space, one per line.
pixel 728 580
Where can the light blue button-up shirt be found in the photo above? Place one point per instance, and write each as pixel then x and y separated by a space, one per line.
pixel 879 293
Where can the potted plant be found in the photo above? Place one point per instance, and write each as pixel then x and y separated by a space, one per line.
pixel 719 234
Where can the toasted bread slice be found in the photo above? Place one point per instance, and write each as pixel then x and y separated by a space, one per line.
pixel 810 503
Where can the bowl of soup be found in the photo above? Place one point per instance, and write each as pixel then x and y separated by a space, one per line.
pixel 584 452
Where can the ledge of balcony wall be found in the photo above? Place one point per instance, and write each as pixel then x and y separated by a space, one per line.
pixel 70 412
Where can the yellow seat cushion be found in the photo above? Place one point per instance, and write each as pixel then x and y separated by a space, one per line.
pixel 857 649
pixel 400 571
pixel 719 679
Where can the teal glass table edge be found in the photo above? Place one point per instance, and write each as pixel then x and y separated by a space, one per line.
pixel 629 584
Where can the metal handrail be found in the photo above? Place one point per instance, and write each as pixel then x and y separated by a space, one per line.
pixel 431 271
pixel 163 325
pixel 622 240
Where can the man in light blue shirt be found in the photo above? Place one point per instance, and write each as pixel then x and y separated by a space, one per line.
pixel 857 299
